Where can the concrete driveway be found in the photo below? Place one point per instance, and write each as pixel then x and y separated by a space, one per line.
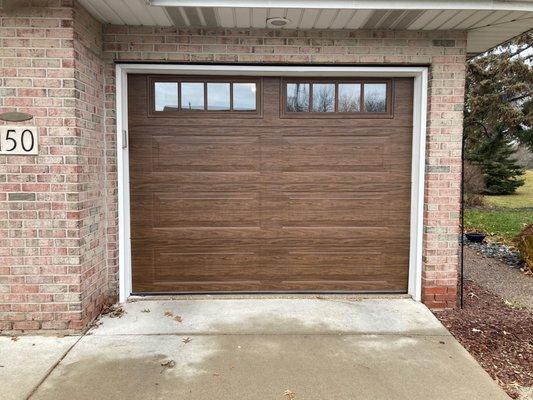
pixel 312 349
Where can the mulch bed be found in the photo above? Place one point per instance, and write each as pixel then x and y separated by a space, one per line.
pixel 497 335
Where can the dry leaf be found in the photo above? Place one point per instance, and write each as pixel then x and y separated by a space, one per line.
pixel 290 394
pixel 146 310
pixel 14 338
pixel 169 364
pixel 168 314
pixel 177 318
pixel 186 340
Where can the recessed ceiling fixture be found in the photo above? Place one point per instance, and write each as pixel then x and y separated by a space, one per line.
pixel 277 22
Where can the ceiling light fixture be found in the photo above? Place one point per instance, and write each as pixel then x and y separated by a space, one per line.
pixel 277 22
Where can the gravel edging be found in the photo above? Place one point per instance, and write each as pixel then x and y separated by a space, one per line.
pixel 499 251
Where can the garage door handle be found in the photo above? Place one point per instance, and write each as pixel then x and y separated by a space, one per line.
pixel 124 139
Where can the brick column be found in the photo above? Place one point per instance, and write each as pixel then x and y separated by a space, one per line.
pixel 53 245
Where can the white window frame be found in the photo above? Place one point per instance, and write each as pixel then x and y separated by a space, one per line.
pixel 420 75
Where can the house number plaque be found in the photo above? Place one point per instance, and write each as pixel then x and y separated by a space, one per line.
pixel 19 140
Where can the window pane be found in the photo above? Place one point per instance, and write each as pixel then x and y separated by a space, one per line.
pixel 218 96
pixel 192 95
pixel 323 97
pixel 349 97
pixel 244 95
pixel 375 97
pixel 166 96
pixel 297 97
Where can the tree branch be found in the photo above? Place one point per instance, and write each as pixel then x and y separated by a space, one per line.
pixel 519 97
pixel 519 51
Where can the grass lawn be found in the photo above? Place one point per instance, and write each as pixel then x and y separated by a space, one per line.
pixel 506 216
pixel 522 198
pixel 503 224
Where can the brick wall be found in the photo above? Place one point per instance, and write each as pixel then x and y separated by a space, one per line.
pixel 443 51
pixel 58 210
pixel 53 261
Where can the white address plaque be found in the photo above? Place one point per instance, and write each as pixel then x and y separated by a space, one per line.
pixel 19 140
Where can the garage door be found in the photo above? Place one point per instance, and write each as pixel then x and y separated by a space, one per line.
pixel 269 184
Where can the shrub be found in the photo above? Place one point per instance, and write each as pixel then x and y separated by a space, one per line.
pixel 474 185
pixel 524 244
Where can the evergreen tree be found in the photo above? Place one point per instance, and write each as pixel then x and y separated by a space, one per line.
pixel 501 172
pixel 499 112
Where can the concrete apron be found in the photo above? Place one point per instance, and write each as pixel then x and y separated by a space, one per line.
pixel 269 349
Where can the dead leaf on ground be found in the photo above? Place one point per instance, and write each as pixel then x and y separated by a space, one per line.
pixel 169 314
pixel 14 338
pixel 169 364
pixel 178 318
pixel 186 340
pixel 146 310
pixel 290 394
pixel 514 305
pixel 114 311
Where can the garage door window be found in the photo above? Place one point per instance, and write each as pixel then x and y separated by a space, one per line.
pixel 204 97
pixel 375 97
pixel 331 98
pixel 166 98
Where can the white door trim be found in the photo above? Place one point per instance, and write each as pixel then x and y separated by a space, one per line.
pixel 420 75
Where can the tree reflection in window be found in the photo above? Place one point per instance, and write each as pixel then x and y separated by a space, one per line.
pixel 298 97
pixel 375 95
pixel 349 97
pixel 324 97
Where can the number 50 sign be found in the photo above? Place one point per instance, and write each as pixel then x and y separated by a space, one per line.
pixel 18 140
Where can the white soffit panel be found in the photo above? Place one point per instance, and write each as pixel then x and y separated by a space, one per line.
pixel 424 19
pixel 243 17
pixel 294 16
pixel 441 19
pixel 359 19
pixel 488 22
pixel 325 18
pixel 309 18
pixel 259 16
pixel 226 17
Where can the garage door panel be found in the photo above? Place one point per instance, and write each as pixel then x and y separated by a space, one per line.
pixel 198 265
pixel 206 210
pixel 269 203
pixel 206 153
pixel 334 153
pixel 200 210
pixel 393 181
pixel 333 265
pixel 374 284
pixel 333 210
pixel 223 264
pixel 162 184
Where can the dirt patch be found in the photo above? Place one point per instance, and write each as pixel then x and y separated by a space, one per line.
pixel 497 335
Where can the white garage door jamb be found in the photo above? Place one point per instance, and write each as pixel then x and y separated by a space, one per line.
pixel 420 75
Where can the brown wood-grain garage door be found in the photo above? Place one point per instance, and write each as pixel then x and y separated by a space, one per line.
pixel 268 200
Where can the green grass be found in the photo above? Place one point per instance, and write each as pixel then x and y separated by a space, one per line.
pixel 505 216
pixel 503 224
pixel 522 198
